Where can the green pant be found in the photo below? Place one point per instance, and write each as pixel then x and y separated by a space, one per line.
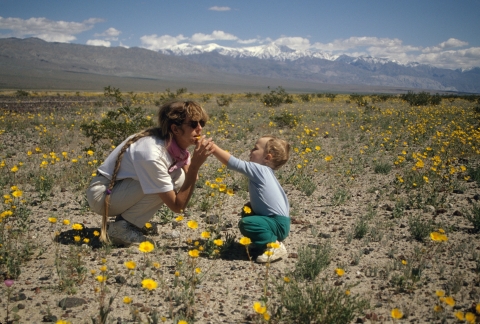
pixel 262 230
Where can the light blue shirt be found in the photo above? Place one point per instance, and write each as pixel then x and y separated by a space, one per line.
pixel 267 196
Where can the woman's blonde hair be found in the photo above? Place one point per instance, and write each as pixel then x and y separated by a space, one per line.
pixel 171 113
pixel 279 149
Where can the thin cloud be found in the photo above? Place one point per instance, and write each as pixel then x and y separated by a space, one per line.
pixel 355 42
pixel 98 42
pixel 46 29
pixel 109 34
pixel 297 43
pixel 217 8
pixel 450 43
pixel 155 43
pixel 452 59
pixel 248 41
pixel 216 35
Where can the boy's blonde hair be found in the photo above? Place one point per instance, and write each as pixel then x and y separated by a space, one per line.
pixel 279 149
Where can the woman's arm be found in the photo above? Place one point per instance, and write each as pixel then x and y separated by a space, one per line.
pixel 177 201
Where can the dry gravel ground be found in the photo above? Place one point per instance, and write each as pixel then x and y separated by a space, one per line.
pixel 233 283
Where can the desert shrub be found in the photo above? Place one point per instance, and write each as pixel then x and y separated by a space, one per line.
pixel 305 97
pixel 360 228
pixel 399 209
pixel 421 99
pixel 340 196
pixel 224 100
pixel 359 100
pixel 116 126
pixel 276 97
pixel 169 95
pixel 22 93
pixel 473 216
pixel 474 173
pixel 307 186
pixel 312 261
pixel 286 119
pixel 381 97
pixel 419 229
pixel 319 303
pixel 331 96
pixel 206 97
pixel 382 167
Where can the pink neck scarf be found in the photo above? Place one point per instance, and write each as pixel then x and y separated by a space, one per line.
pixel 181 156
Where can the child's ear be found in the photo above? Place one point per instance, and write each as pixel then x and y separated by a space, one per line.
pixel 268 157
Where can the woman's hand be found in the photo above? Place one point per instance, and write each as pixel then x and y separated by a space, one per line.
pixel 203 149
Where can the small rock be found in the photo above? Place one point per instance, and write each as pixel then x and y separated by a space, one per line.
pixel 212 219
pixel 324 235
pixel 49 318
pixel 21 306
pixel 120 279
pixel 457 191
pixel 70 302
pixel 172 234
pixel 293 255
pixel 429 208
pixel 19 297
pixel 457 213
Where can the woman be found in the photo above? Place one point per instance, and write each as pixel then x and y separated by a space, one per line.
pixel 150 169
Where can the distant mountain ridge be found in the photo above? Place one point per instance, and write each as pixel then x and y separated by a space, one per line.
pixel 34 63
pixel 323 67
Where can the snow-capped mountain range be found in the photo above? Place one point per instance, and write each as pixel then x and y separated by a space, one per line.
pixel 22 60
pixel 283 62
pixel 269 51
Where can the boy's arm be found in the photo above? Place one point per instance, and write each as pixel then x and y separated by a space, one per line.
pixel 222 155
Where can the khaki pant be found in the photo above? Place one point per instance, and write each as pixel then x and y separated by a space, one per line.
pixel 127 199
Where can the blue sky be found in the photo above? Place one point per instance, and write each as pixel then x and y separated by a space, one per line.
pixel 440 33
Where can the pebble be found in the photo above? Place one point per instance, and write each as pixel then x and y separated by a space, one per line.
pixel 70 302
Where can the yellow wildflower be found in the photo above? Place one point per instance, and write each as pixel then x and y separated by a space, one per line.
pixel 396 313
pixel 257 306
pixel 192 224
pixel 77 227
pixel 149 284
pixel 194 253
pixel 130 265
pixel 245 241
pixel 146 247
pixel 340 272
pixel 101 278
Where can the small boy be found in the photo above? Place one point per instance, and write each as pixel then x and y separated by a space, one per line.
pixel 269 221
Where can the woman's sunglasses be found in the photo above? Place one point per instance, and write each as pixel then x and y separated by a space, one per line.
pixel 194 123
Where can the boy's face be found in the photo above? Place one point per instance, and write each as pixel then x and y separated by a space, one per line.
pixel 258 154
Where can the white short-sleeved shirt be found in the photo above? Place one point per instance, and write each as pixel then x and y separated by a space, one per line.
pixel 147 161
